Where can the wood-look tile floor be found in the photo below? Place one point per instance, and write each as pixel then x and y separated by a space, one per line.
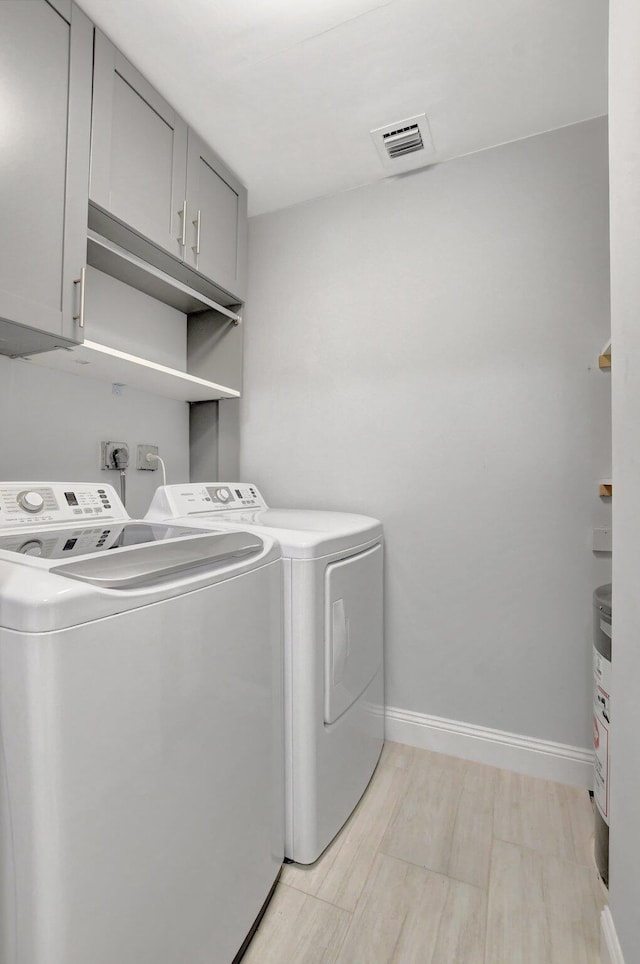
pixel 444 862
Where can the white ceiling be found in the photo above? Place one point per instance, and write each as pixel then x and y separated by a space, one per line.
pixel 286 91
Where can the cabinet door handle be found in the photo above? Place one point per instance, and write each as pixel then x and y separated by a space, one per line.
pixel 196 247
pixel 183 214
pixel 80 281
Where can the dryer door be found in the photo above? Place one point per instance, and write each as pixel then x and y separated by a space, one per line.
pixel 353 628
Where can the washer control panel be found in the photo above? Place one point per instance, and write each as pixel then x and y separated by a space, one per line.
pixel 213 497
pixel 42 503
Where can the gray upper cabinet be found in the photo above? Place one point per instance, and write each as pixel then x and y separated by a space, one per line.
pixel 45 76
pixel 193 209
pixel 138 151
pixel 217 209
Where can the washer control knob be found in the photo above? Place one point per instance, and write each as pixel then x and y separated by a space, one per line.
pixel 31 548
pixel 223 495
pixel 31 501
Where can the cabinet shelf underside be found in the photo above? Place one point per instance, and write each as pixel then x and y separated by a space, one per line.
pixel 113 260
pixel 111 365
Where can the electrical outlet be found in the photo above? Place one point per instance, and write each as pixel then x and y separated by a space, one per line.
pixel 141 460
pixel 602 540
pixel 107 449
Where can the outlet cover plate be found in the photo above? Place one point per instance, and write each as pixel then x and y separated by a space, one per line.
pixel 602 540
pixel 106 454
pixel 141 458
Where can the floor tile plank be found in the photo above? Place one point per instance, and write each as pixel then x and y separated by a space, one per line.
pixel 570 895
pixel 453 934
pixel 397 755
pixel 542 815
pixel 517 926
pixel 570 944
pixel 409 915
pixel 542 909
pixel 470 854
pixel 422 829
pixel 340 873
pixel 445 822
pixel 582 823
pixel 298 929
pixel 393 889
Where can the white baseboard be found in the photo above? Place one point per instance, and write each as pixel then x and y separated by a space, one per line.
pixel 509 751
pixel 610 950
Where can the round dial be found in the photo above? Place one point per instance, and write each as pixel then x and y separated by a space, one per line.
pixel 31 501
pixel 223 495
pixel 31 548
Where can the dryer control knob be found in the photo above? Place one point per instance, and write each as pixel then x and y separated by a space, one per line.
pixel 31 501
pixel 223 495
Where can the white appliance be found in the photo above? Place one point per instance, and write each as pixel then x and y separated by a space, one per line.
pixel 140 732
pixel 334 718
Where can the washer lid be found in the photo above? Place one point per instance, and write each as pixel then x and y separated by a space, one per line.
pixel 149 564
pixel 83 539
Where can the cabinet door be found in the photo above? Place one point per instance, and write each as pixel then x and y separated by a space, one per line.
pixel 217 205
pixel 138 151
pixel 45 79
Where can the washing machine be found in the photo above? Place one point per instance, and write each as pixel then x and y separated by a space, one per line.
pixel 141 771
pixel 333 632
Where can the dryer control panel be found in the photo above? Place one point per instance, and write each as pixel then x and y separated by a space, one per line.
pixel 24 504
pixel 194 498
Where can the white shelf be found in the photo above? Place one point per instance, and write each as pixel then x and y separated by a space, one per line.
pixel 110 365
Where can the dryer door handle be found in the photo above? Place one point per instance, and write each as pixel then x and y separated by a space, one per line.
pixel 339 640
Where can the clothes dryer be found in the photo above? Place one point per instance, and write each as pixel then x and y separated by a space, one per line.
pixel 333 633
pixel 141 772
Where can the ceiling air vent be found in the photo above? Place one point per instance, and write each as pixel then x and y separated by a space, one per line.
pixel 404 145
pixel 403 141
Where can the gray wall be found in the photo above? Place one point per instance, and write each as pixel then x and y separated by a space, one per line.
pixel 425 350
pixel 625 323
pixel 52 423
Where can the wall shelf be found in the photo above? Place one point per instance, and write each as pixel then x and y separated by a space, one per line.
pixel 604 358
pixel 111 365
pixel 605 488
